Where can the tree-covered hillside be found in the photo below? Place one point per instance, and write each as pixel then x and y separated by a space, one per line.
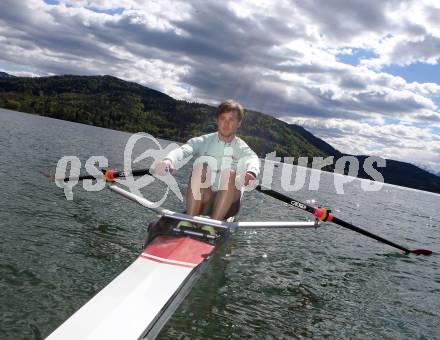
pixel 113 103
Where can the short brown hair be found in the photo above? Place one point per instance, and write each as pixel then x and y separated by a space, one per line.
pixel 231 105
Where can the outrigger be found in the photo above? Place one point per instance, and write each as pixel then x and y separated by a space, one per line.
pixel 137 303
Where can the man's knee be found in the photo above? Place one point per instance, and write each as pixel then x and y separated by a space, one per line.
pixel 200 180
pixel 201 171
pixel 227 179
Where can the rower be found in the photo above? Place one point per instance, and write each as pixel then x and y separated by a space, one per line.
pixel 224 164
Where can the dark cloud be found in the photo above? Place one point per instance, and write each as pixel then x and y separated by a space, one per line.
pixel 304 68
pixel 415 29
pixel 67 36
pixel 340 19
pixel 423 49
pixel 353 82
pixel 434 118
pixel 384 102
pixel 433 14
pixel 214 34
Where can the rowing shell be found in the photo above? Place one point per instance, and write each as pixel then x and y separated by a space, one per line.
pixel 142 298
pixel 137 303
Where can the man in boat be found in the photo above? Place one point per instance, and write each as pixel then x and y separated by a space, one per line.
pixel 224 164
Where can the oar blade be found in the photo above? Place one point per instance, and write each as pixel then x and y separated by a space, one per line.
pixel 48 173
pixel 425 252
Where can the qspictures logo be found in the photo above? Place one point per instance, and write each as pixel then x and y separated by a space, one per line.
pixel 292 177
pixel 69 168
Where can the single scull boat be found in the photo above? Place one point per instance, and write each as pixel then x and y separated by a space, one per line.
pixel 137 303
pixel 142 298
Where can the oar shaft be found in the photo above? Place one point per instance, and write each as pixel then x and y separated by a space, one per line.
pixel 114 174
pixel 367 233
pixel 140 172
pixel 285 199
pixel 80 178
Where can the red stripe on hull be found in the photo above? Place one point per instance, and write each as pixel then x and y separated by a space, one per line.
pixel 181 249
pixel 166 262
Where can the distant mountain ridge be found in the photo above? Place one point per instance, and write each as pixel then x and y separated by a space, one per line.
pixel 319 143
pixel 406 174
pixel 5 75
pixel 109 102
pixel 427 168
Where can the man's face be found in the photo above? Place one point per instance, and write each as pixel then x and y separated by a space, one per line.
pixel 228 124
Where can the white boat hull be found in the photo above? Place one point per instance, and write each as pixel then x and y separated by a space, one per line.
pixel 132 304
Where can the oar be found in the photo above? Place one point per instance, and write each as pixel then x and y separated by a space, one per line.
pixel 108 174
pixel 326 215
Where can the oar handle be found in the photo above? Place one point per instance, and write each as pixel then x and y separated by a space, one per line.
pixel 140 172
pixel 111 174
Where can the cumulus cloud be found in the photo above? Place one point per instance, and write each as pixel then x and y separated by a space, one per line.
pixel 282 58
pixel 393 140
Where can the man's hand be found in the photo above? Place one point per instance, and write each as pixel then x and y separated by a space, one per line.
pixel 163 167
pixel 249 177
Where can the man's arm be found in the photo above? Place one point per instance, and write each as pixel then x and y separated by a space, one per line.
pixel 174 158
pixel 249 164
pixel 251 161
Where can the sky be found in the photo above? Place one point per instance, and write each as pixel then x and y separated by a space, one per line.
pixel 362 75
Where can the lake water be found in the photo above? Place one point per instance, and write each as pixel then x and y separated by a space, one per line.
pixel 278 284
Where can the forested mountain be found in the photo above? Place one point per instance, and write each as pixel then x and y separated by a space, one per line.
pixel 109 102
